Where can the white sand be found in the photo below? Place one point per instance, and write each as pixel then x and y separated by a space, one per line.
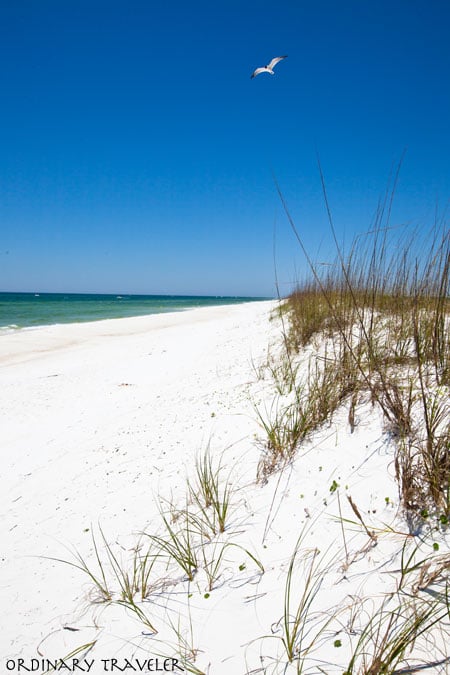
pixel 101 422
pixel 98 419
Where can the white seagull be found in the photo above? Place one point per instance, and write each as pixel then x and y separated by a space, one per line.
pixel 269 68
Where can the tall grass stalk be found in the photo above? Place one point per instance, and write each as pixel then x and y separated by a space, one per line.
pixel 301 627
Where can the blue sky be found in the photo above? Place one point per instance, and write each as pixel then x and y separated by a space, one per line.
pixel 137 154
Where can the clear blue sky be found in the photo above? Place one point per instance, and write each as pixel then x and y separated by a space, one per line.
pixel 137 154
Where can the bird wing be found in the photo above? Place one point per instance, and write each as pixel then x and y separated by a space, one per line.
pixel 258 71
pixel 276 60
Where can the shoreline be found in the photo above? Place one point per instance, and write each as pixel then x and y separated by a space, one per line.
pixel 75 308
pixel 22 342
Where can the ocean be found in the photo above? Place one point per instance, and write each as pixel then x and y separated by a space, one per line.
pixel 25 310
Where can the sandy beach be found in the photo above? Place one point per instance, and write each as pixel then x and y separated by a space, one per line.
pixel 102 425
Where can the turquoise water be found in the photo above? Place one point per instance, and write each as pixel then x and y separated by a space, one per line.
pixel 24 310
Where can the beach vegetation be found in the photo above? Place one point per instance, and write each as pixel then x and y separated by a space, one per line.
pixel 372 327
pixel 213 556
pixel 96 572
pixel 376 323
pixel 391 634
pixel 131 577
pixel 304 626
pixel 297 615
pixel 210 494
pixel 179 543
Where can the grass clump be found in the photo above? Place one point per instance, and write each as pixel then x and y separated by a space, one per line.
pixel 390 636
pixel 328 379
pixel 114 581
pixel 179 544
pixel 210 494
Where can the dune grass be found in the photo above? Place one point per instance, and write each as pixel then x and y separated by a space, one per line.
pixel 210 494
pixel 398 630
pixel 377 323
pixel 390 635
pixel 374 325
pixel 190 538
pixel 378 317
pixel 300 632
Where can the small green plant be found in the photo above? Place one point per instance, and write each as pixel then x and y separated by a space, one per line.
pixel 128 581
pixel 130 605
pixel 334 486
pixel 212 555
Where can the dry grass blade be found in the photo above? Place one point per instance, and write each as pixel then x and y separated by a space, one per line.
pixel 361 520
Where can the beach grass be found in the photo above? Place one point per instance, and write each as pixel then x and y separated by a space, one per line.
pixel 376 322
pixel 210 494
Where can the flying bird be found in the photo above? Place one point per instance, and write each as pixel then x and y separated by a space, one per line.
pixel 269 68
